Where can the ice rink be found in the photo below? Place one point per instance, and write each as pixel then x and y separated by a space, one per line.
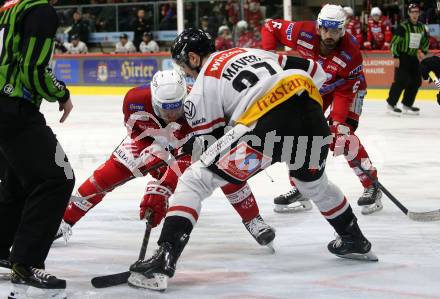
pixel 222 260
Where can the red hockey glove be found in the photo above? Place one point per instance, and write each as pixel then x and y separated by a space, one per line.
pixel 340 142
pixel 155 198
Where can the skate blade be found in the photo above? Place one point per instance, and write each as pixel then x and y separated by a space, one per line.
pixel 368 210
pixel 369 256
pixel 20 291
pixel 270 247
pixel 158 282
pixel 285 209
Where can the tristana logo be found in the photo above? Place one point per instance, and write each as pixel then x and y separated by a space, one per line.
pixel 218 62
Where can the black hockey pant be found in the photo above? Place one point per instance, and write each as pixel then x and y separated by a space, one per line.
pixel 406 77
pixel 36 183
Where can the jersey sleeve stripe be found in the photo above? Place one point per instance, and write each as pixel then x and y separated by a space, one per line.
pixel 209 126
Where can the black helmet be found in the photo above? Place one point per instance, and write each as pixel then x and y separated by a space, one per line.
pixel 191 40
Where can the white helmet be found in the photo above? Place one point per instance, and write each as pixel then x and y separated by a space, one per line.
pixel 375 11
pixel 348 11
pixel 242 25
pixel 332 16
pixel 168 89
pixel 222 28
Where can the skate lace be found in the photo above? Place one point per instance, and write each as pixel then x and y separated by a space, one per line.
pixel 368 192
pixel 290 193
pixel 256 226
pixel 338 241
pixel 41 273
pixel 65 230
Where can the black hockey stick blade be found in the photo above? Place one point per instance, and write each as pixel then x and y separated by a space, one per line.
pixel 416 216
pixel 111 280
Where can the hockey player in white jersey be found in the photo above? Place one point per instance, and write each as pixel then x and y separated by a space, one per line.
pixel 276 116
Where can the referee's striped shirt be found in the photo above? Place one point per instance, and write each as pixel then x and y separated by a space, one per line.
pixel 409 38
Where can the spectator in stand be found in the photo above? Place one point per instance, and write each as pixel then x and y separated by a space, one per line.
pixel 252 13
pixel 233 11
pixel 206 26
pixel 190 17
pixel 124 45
pixel 224 39
pixel 140 27
pixel 79 27
pixel 353 25
pixel 379 31
pixel 148 44
pixel 246 38
pixel 76 46
pixel 168 13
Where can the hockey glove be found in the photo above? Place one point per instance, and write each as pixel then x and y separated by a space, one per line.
pixel 155 198
pixel 340 142
pixel 438 98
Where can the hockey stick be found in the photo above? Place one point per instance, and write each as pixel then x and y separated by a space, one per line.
pixel 111 280
pixel 75 198
pixel 416 216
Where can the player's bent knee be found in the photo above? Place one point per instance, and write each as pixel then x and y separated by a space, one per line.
pixel 324 193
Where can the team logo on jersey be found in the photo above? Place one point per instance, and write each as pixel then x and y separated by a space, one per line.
pixel 102 72
pixel 243 161
pixel 134 107
pixel 306 35
pixel 8 89
pixel 289 31
pixel 218 62
pixel 190 110
pixel 339 61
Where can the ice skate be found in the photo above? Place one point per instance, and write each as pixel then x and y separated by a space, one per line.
pixel 373 208
pixel 352 245
pixel 410 110
pixel 64 231
pixel 29 282
pixel 263 233
pixel 370 195
pixel 154 273
pixel 393 110
pixel 291 202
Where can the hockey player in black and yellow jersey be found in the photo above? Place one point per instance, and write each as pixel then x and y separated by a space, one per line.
pixel 36 178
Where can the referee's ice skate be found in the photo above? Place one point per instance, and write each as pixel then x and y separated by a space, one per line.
pixel 32 283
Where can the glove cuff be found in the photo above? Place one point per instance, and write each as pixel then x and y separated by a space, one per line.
pixel 154 187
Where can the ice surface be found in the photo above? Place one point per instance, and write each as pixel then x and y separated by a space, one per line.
pixel 223 261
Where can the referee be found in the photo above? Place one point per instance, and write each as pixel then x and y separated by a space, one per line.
pixel 36 178
pixel 409 45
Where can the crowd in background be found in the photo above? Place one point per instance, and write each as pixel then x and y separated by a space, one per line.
pixel 228 22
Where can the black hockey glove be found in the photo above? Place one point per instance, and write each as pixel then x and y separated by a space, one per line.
pixel 438 98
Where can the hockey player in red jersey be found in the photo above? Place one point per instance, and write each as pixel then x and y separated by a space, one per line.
pixel 325 41
pixel 379 31
pixel 353 25
pixel 156 129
